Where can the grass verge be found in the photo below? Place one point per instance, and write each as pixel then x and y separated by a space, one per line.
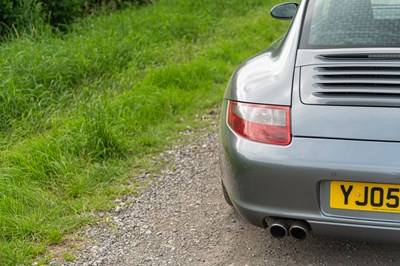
pixel 79 113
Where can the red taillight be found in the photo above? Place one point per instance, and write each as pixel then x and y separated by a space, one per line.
pixel 262 123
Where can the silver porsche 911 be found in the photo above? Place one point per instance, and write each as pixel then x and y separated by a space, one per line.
pixel 310 128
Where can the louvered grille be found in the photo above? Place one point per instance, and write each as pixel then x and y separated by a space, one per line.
pixel 351 85
pixel 359 57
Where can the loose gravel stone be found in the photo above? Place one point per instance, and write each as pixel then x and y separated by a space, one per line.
pixel 182 219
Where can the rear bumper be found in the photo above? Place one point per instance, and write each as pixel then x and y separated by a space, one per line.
pixel 274 181
pixel 368 232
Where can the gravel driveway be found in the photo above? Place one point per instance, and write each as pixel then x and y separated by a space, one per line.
pixel 182 219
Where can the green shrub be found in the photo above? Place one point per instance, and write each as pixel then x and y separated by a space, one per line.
pixel 19 14
pixel 60 13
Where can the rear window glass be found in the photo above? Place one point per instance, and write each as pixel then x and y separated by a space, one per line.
pixel 352 23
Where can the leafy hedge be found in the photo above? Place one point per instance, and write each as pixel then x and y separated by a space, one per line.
pixel 16 15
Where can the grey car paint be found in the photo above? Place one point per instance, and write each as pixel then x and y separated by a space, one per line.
pixel 330 120
pixel 268 77
pixel 342 143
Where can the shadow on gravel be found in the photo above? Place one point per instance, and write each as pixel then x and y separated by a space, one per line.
pixel 257 247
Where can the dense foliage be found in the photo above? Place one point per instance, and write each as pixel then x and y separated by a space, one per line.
pixel 16 15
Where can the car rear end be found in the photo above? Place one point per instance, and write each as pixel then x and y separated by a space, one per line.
pixel 327 160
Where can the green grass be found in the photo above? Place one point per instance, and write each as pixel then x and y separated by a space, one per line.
pixel 80 113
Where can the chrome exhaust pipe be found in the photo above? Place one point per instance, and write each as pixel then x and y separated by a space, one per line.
pixel 299 230
pixel 278 228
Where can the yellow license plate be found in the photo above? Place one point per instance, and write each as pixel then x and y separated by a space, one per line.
pixel 365 196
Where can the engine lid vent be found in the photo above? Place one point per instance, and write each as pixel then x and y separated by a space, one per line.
pixel 358 57
pixel 351 85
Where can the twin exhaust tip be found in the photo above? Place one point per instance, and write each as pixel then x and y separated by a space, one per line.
pixel 297 229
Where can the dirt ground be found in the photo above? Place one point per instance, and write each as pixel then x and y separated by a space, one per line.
pixel 182 219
